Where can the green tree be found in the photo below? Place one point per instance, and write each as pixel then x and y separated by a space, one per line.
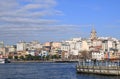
pixel 48 57
pixel 22 57
pixel 36 57
pixel 16 57
pixel 10 57
pixel 43 57
pixel 55 57
pixel 29 57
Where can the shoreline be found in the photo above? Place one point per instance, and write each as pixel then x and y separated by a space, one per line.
pixel 14 61
pixel 32 61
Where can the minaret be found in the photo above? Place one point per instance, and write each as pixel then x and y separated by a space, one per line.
pixel 93 35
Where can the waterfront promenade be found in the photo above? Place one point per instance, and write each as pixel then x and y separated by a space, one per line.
pixel 106 68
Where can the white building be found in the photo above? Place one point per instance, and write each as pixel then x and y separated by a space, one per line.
pixel 78 45
pixel 21 46
pixel 118 46
pixel 97 43
pixel 65 47
pixel 72 45
pixel 34 45
pixel 31 52
pixel 43 53
pixel 74 52
pixel 97 55
pixel 107 45
pixel 11 48
pixel 75 45
pixel 1 44
pixel 76 39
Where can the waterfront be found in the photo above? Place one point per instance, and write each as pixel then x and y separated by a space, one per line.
pixel 45 71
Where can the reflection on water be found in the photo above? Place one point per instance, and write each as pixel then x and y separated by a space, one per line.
pixel 45 71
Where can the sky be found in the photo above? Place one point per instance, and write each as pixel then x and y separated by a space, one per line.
pixel 57 20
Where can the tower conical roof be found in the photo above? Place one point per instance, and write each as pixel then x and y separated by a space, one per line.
pixel 93 34
pixel 93 30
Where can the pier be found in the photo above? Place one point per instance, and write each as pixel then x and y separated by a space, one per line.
pixel 101 68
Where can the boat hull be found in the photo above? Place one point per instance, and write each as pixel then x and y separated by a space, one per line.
pixel 2 60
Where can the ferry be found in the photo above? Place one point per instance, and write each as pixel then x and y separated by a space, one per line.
pixel 2 60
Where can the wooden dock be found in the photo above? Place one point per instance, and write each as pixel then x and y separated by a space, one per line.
pixel 98 69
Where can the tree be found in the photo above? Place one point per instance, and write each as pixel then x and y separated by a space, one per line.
pixel 56 56
pixel 84 54
pixel 10 57
pixel 36 57
pixel 16 57
pixel 48 57
pixel 22 57
pixel 29 57
pixel 43 57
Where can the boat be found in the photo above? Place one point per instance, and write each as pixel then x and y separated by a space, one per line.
pixel 2 60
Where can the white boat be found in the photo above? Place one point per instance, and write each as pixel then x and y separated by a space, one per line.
pixel 2 60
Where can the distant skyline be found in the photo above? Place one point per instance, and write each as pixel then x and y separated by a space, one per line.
pixel 57 20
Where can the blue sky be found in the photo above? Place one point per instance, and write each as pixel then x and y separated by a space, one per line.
pixel 56 20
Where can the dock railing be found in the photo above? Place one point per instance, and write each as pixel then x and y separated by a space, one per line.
pixel 99 67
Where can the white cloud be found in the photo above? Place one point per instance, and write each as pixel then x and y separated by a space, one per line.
pixel 31 8
pixel 42 28
pixel 17 20
pixel 26 18
pixel 6 5
pixel 20 19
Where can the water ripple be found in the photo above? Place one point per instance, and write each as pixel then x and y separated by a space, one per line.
pixel 44 71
